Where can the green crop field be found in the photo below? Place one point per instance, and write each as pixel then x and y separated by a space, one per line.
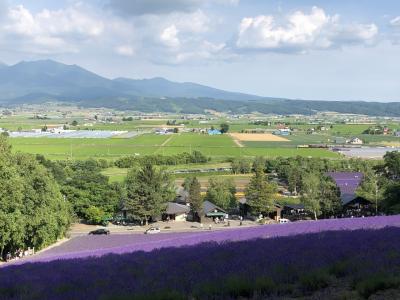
pixel 111 148
pixel 294 140
pixel 200 140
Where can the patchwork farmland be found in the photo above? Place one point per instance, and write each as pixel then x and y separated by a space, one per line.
pixel 221 146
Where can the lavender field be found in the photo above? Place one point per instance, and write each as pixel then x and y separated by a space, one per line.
pixel 356 257
pixel 100 245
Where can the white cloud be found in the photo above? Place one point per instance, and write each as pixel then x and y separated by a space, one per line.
pixel 49 31
pixel 169 37
pixel 302 32
pixel 172 38
pixel 395 21
pixel 125 50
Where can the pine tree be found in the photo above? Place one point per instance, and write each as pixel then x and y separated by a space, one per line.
pixel 148 191
pixel 193 187
pixel 259 193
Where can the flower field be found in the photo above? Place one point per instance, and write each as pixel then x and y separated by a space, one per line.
pixel 357 257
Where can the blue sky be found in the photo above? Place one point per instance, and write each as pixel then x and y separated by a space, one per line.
pixel 333 50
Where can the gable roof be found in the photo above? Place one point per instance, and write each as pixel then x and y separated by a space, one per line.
pixel 294 206
pixel 211 207
pixel 347 182
pixel 175 208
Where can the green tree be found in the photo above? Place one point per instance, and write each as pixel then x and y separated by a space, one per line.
pixel 94 215
pixel 260 194
pixel 392 164
pixel 371 188
pixel 391 201
pixel 33 212
pixel 148 191
pixel 193 187
pixel 74 123
pixel 224 128
pixel 330 201
pixel 259 163
pixel 221 192
pixel 310 194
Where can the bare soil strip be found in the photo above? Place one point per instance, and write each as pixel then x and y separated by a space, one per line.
pixel 166 141
pixel 258 137
pixel 238 143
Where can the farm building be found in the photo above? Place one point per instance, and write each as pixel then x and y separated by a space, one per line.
pixel 282 131
pixel 348 182
pixel 213 132
pixel 294 212
pixel 209 210
pixel 245 210
pixel 340 140
pixel 356 141
pixel 212 211
pixel 176 212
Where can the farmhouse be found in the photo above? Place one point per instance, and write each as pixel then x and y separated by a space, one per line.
pixel 176 212
pixel 356 141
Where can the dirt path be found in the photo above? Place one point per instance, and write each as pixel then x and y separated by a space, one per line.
pixel 237 142
pixel 166 141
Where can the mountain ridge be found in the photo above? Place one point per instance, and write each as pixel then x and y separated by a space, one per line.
pixel 47 80
pixel 58 79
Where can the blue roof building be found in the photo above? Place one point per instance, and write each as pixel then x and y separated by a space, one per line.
pixel 213 132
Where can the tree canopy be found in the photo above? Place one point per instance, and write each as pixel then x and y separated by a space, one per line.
pixel 33 212
pixel 148 191
pixel 260 193
pixel 221 192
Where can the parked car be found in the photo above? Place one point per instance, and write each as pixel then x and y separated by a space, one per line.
pixel 283 221
pixel 100 232
pixel 152 230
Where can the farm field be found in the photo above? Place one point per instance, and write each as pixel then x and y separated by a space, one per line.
pixel 293 140
pixel 118 174
pixel 112 148
pixel 355 258
pixel 258 137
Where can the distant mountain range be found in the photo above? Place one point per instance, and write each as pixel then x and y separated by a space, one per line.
pixel 47 80
pixel 47 77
